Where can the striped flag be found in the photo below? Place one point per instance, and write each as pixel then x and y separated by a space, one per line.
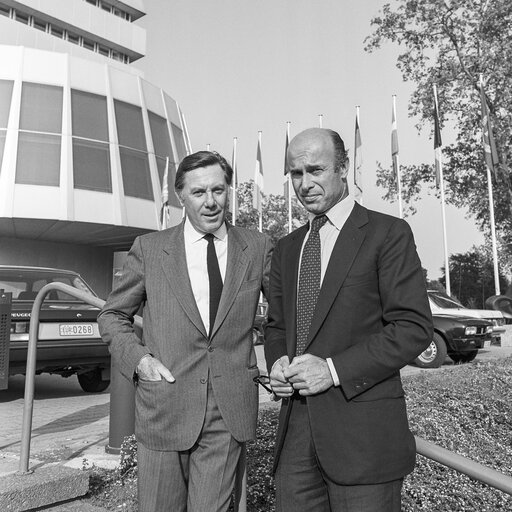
pixel 358 162
pixel 258 179
pixel 438 143
pixel 490 153
pixel 394 142
pixel 165 214
pixel 233 204
pixel 286 182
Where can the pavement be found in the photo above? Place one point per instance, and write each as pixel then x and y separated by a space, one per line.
pixel 71 428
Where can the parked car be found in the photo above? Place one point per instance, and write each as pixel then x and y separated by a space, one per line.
pixel 260 320
pixel 441 303
pixel 69 340
pixel 458 337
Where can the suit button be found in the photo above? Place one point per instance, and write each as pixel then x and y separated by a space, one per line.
pixel 203 381
pixel 210 349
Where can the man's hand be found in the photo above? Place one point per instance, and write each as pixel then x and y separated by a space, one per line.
pixel 280 386
pixel 309 374
pixel 151 369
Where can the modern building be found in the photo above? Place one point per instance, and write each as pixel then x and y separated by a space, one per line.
pixel 85 140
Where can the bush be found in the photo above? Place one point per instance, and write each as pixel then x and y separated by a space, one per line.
pixel 466 410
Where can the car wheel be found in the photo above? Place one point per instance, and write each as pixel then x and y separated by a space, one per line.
pixel 464 357
pixel 91 381
pixel 255 337
pixel 435 354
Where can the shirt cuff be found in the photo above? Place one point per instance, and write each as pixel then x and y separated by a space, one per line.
pixel 334 373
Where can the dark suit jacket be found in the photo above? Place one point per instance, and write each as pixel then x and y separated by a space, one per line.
pixel 372 318
pixel 170 416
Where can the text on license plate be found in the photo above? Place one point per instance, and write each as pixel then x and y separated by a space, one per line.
pixel 76 330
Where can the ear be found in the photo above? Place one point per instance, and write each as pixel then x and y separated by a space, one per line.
pixel 178 195
pixel 344 170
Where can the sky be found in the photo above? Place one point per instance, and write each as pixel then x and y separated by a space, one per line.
pixel 240 66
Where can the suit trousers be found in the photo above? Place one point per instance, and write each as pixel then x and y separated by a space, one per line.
pixel 302 486
pixel 200 479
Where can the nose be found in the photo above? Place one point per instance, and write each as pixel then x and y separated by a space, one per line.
pixel 209 200
pixel 306 182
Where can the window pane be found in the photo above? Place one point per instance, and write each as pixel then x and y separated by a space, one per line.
pixel 89 115
pixel 5 101
pixel 130 128
pixel 91 165
pixel 38 159
pixel 135 170
pixel 2 146
pixel 180 142
pixel 160 162
pixel 160 134
pixel 41 108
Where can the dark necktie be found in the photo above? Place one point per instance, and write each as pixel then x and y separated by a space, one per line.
pixel 214 277
pixel 309 282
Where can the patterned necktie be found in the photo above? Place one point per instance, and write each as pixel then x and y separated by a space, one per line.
pixel 214 277
pixel 309 283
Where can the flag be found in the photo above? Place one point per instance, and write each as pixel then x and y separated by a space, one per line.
pixel 233 204
pixel 258 179
pixel 165 214
pixel 286 182
pixel 490 153
pixel 394 142
pixel 358 161
pixel 437 141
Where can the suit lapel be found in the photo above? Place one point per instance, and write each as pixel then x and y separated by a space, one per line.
pixel 343 255
pixel 174 265
pixel 236 268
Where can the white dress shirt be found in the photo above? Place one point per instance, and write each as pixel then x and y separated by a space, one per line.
pixel 195 250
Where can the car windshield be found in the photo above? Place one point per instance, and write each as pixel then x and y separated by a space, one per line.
pixel 24 284
pixel 444 301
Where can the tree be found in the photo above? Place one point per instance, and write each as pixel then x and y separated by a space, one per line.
pixel 452 42
pixel 472 277
pixel 275 212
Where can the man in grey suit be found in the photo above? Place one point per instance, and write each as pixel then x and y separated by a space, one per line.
pixel 199 285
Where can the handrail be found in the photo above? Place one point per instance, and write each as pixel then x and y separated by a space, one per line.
pixel 430 450
pixel 33 336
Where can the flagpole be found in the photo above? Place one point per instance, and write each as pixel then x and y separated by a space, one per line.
pixel 489 187
pixel 207 147
pixel 164 211
pixel 234 183
pixel 185 130
pixel 289 181
pixel 358 185
pixel 320 120
pixel 257 198
pixel 260 211
pixel 397 160
pixel 441 189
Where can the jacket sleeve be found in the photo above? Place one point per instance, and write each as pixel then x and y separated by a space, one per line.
pixel 267 258
pixel 115 320
pixel 406 318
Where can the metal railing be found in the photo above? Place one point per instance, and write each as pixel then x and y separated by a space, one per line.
pixel 430 450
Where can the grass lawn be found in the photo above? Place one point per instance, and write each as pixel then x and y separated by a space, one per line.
pixel 466 409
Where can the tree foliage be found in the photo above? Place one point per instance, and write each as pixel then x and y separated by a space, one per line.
pixel 452 42
pixel 275 212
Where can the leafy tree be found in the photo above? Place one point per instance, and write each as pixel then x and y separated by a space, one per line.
pixel 452 42
pixel 472 277
pixel 275 212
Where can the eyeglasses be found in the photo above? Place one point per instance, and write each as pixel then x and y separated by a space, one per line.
pixel 264 381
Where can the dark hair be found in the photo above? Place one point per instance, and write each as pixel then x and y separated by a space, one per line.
pixel 201 159
pixel 340 153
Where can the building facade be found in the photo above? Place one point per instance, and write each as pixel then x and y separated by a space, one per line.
pixel 85 140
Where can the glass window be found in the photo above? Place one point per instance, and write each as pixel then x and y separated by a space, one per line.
pixel 38 159
pixel 5 101
pixel 22 17
pixel 103 50
pixel 73 38
pixel 91 165
pixel 87 43
pixel 181 148
pixel 3 133
pixel 41 108
pixel 89 115
pixel 135 170
pixel 56 31
pixel 5 11
pixel 40 25
pixel 130 128
pixel 160 135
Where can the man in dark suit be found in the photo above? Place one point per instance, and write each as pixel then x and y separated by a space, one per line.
pixel 347 309
pixel 196 402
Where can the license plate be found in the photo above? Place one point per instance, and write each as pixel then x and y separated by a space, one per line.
pixel 76 330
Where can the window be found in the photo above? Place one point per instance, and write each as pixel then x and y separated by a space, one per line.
pixel 130 127
pixel 135 170
pixel 87 43
pixel 41 108
pixel 38 160
pixel 5 101
pixel 103 50
pixel 22 17
pixel 89 115
pixel 181 148
pixel 5 11
pixel 56 31
pixel 73 38
pixel 3 133
pixel 40 25
pixel 91 165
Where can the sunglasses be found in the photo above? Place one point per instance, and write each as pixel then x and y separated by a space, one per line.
pixel 264 381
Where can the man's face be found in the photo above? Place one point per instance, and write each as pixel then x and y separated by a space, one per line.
pixel 310 162
pixel 205 197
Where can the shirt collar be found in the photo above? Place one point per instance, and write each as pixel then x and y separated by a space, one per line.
pixel 338 214
pixel 192 235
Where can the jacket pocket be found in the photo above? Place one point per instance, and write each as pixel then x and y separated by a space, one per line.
pixel 391 388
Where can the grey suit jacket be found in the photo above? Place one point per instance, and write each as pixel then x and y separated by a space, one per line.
pixel 155 275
